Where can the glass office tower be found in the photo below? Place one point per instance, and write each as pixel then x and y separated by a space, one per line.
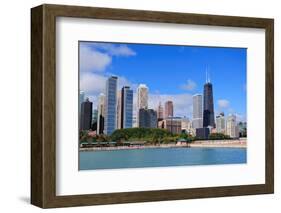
pixel 110 123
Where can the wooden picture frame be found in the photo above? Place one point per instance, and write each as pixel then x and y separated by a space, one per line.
pixel 43 105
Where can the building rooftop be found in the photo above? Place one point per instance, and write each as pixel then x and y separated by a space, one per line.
pixel 143 85
pixel 197 94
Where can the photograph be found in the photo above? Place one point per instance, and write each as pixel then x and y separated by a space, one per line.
pixel 161 105
pixel 169 105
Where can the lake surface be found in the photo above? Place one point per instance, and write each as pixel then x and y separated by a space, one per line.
pixel 160 157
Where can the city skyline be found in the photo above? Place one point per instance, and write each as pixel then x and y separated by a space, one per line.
pixel 180 93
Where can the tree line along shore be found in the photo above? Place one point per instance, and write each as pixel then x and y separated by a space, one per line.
pixel 149 137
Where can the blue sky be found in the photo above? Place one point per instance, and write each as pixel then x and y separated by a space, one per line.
pixel 171 72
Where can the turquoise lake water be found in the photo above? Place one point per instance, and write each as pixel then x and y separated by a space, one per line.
pixel 160 157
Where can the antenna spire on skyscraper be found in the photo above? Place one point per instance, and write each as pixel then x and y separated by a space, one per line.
pixel 209 74
pixel 208 78
pixel 206 75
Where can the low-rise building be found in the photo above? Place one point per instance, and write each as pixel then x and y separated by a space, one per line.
pixel 147 118
pixel 173 124
pixel 203 133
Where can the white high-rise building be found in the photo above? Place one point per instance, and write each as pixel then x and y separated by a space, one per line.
pixel 197 120
pixel 231 126
pixel 220 123
pixel 101 111
pixel 186 125
pixel 142 96
pixel 142 99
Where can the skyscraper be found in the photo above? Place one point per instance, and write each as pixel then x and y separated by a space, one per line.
pixel 169 109
pixel 147 118
pixel 126 107
pixel 81 98
pixel 160 112
pixel 110 122
pixel 208 113
pixel 119 107
pixel 135 124
pixel 142 99
pixel 197 120
pixel 231 126
pixel 101 112
pixel 220 123
pixel 242 127
pixel 86 115
pixel 94 119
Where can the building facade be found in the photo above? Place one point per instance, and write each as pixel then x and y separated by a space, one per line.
pixel 94 119
pixel 169 109
pixel 119 109
pixel 173 124
pixel 142 99
pixel 220 123
pixel 86 115
pixel 101 112
pixel 231 127
pixel 135 124
pixel 186 126
pixel 160 112
pixel 126 108
pixel 203 133
pixel 242 126
pixel 208 108
pixel 81 97
pixel 147 118
pixel 110 123
pixel 197 115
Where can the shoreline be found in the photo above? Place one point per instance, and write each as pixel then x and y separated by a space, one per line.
pixel 219 144
pixel 242 143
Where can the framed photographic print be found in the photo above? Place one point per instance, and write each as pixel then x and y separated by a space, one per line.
pixel 137 106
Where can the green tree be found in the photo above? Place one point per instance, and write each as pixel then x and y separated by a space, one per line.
pixel 218 136
pixel 142 134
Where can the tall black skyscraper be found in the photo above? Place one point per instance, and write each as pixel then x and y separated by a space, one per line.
pixel 208 109
pixel 86 115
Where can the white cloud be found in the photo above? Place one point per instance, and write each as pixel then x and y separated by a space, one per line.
pixel 92 60
pixel 95 58
pixel 190 85
pixel 223 103
pixel 92 83
pixel 122 50
pixel 114 49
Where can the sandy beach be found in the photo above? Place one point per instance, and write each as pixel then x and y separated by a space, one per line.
pixel 239 143
pixel 242 143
